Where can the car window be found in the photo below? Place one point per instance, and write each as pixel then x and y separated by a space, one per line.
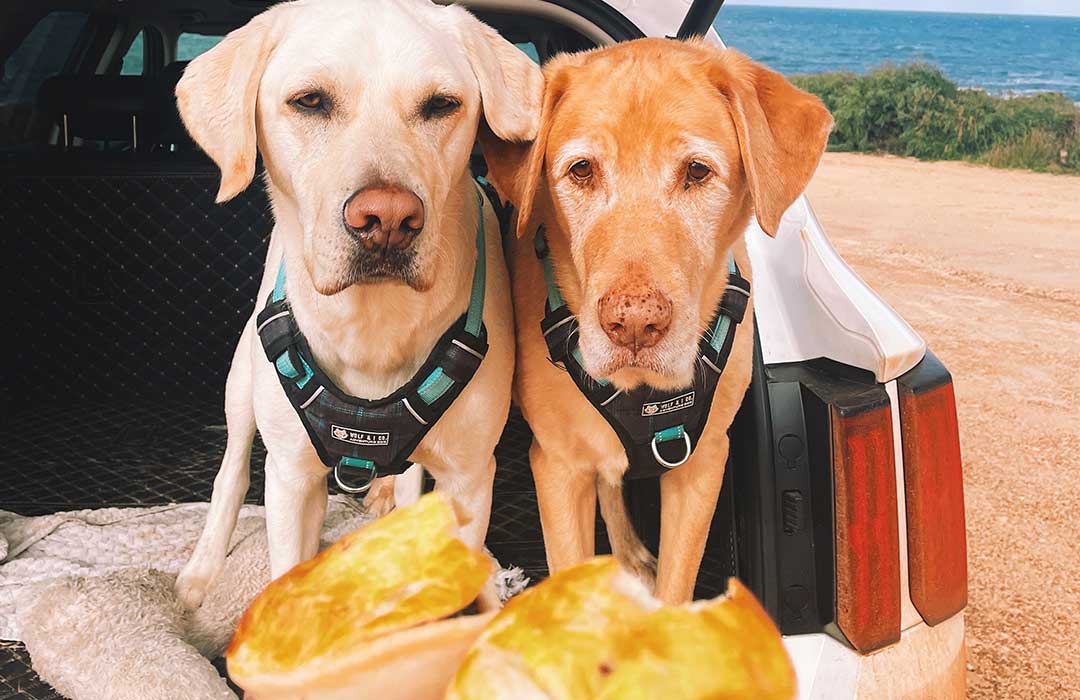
pixel 188 45
pixel 133 59
pixel 530 49
pixel 41 55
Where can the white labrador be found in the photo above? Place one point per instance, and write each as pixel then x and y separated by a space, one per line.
pixel 365 113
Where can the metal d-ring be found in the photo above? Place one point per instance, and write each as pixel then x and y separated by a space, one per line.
pixel 664 462
pixel 355 490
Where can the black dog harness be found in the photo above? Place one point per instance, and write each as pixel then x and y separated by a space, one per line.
pixel 659 430
pixel 361 439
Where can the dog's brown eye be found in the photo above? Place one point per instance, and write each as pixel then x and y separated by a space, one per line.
pixel 697 171
pixel 581 170
pixel 439 106
pixel 310 100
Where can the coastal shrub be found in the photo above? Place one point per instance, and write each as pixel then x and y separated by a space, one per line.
pixel 1051 112
pixel 915 110
pixel 1036 147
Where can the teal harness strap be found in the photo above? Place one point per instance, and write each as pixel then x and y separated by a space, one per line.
pixel 723 321
pixel 279 284
pixel 437 383
pixel 289 364
pixel 475 315
pixel 284 364
pixel 669 434
pixel 555 297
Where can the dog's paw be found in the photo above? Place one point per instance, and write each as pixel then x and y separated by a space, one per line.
pixel 380 498
pixel 193 583
pixel 640 562
pixel 488 598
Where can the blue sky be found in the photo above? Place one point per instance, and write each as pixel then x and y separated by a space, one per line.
pixel 1069 8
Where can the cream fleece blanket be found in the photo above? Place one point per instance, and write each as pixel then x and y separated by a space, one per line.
pixel 90 594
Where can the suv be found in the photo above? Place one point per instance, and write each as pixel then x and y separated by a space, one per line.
pixel 843 503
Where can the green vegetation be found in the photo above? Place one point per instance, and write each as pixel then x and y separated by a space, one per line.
pixel 914 110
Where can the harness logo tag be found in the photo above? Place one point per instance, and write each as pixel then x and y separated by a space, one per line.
pixel 359 437
pixel 678 403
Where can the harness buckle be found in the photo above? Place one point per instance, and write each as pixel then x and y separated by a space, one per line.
pixel 664 462
pixel 366 479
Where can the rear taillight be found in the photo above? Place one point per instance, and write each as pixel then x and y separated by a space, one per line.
pixel 864 488
pixel 867 539
pixel 934 491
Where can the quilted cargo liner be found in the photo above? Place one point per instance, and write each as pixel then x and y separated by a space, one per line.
pixel 128 292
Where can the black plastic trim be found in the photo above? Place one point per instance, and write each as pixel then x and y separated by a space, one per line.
pixel 929 374
pixel 794 498
pixel 54 161
pixel 755 519
pixel 850 389
pixel 785 483
pixel 604 16
pixel 699 18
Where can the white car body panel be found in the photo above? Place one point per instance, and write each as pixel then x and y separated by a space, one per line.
pixel 927 664
pixel 653 17
pixel 826 669
pixel 543 9
pixel 809 303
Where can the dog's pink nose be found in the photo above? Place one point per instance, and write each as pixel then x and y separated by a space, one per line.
pixel 635 315
pixel 384 217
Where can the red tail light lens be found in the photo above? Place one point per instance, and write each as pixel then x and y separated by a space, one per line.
pixel 934 490
pixel 867 537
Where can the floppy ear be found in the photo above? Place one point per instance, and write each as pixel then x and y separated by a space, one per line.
pixel 511 84
pixel 217 97
pixel 782 133
pixel 505 166
pixel 517 169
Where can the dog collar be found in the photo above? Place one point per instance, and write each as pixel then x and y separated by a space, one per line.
pixel 362 439
pixel 658 429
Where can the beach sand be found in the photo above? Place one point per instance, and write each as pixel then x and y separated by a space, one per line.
pixel 985 265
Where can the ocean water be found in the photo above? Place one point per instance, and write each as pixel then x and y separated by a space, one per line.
pixel 1002 54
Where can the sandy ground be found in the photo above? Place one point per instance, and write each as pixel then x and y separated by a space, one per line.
pixel 985 264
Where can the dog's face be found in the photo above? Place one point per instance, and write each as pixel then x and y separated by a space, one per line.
pixel 651 157
pixel 365 112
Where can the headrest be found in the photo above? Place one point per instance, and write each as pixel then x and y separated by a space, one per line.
pixel 166 127
pixel 96 107
pixel 170 74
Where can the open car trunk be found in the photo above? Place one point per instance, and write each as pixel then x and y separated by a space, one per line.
pixel 129 292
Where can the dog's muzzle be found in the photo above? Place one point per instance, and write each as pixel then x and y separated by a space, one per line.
pixel 384 219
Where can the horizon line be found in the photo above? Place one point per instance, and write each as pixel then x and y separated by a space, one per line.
pixel 898 11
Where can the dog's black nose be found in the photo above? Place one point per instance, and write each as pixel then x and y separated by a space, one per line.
pixel 384 217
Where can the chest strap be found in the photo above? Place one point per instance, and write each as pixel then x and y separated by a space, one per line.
pixel 361 439
pixel 659 430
